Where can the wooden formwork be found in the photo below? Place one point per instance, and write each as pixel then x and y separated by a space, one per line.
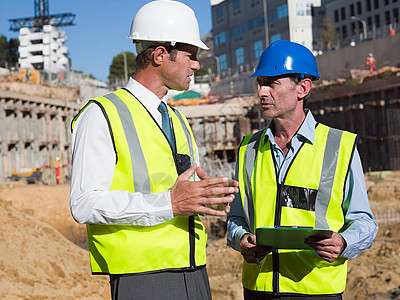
pixel 35 132
pixel 370 109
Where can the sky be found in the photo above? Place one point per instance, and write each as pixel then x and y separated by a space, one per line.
pixel 100 30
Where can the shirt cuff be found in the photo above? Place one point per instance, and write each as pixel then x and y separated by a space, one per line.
pixel 235 237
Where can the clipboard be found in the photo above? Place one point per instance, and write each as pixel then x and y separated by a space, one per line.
pixel 289 237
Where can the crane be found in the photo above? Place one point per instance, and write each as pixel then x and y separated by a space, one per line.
pixel 42 17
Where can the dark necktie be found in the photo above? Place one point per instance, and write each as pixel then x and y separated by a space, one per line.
pixel 166 124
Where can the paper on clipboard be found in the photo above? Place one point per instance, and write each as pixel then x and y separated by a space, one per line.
pixel 288 237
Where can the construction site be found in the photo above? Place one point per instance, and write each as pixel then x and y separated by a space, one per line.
pixel 35 136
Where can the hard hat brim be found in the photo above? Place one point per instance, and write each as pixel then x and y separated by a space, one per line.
pixel 198 43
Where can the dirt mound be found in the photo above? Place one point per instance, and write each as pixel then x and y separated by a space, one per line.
pixel 50 204
pixel 38 262
pixel 375 273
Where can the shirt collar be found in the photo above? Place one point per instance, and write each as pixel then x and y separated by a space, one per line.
pixel 144 95
pixel 306 130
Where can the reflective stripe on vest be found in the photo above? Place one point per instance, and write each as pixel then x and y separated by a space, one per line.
pixel 145 164
pixel 138 163
pixel 319 170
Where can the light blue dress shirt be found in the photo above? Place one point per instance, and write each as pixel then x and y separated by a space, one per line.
pixel 361 227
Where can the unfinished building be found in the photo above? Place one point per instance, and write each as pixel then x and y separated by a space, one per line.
pixel 35 133
pixel 35 130
pixel 372 110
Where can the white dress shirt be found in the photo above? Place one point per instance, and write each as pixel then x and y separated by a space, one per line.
pixel 93 163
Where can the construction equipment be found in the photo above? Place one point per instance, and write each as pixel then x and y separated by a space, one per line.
pixel 28 174
pixel 42 17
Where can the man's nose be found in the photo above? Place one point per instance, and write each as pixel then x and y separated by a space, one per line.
pixel 263 91
pixel 195 65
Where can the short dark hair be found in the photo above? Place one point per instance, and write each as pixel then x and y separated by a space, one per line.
pixel 145 57
pixel 296 78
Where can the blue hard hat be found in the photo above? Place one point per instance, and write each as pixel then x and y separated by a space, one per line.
pixel 284 57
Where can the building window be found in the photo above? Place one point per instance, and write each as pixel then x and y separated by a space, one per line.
pixel 236 5
pixel 239 56
pixel 359 8
pixel 344 31
pixel 387 17
pixel 376 4
pixel 353 28
pixel 336 16
pixel 33 42
pixel 238 30
pixel 220 38
pixel 255 23
pixel 222 62
pixel 282 11
pixel 258 49
pixel 275 37
pixel 369 22
pixel 377 21
pixel 278 13
pixel 386 2
pixel 368 2
pixel 272 16
pixel 352 12
pixel 302 9
pixel 395 15
pixel 220 13
pixel 343 13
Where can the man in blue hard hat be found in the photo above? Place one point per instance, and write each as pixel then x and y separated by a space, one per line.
pixel 297 173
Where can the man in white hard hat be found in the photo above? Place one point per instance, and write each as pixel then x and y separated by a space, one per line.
pixel 133 156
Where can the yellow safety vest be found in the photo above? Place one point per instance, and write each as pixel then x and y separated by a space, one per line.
pixel 145 164
pixel 310 195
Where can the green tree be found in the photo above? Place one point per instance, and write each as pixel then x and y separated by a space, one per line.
pixel 3 51
pixel 13 54
pixel 8 52
pixel 329 35
pixel 117 68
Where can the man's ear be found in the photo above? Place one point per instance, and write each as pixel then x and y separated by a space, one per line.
pixel 159 55
pixel 303 88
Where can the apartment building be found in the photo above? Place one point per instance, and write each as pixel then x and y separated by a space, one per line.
pixel 358 20
pixel 43 49
pixel 242 29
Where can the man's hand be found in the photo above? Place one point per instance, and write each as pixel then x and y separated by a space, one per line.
pixel 329 248
pixel 202 197
pixel 250 251
pixel 233 183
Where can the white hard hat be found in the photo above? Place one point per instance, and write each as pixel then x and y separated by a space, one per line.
pixel 165 21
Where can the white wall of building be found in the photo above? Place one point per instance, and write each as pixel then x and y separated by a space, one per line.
pixel 300 21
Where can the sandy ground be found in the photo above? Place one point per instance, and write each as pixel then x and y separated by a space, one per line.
pixel 36 260
pixel 40 257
